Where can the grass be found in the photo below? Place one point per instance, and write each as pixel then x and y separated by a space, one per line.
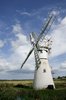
pixel 22 90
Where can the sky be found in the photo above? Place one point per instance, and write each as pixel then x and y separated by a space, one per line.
pixel 18 18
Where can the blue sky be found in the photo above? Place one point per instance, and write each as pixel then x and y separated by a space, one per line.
pixel 17 19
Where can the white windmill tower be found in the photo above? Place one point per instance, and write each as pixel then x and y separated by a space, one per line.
pixel 42 77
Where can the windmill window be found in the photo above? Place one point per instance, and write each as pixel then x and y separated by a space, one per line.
pixel 44 70
pixel 40 51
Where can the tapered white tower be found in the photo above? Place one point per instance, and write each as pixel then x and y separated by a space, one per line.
pixel 42 77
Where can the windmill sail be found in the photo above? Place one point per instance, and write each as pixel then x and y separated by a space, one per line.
pixel 27 57
pixel 45 27
pixel 33 37
pixel 37 59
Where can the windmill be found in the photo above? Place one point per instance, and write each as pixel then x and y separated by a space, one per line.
pixel 42 76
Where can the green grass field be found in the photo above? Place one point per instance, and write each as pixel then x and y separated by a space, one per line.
pixel 22 90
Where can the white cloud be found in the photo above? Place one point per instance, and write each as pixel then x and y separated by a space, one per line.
pixel 17 28
pixel 54 12
pixel 37 13
pixel 21 39
pixel 20 47
pixel 2 43
pixel 4 64
pixel 63 22
pixel 63 65
pixel 23 13
pixel 59 38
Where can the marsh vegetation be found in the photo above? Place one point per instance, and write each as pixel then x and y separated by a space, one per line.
pixel 22 90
